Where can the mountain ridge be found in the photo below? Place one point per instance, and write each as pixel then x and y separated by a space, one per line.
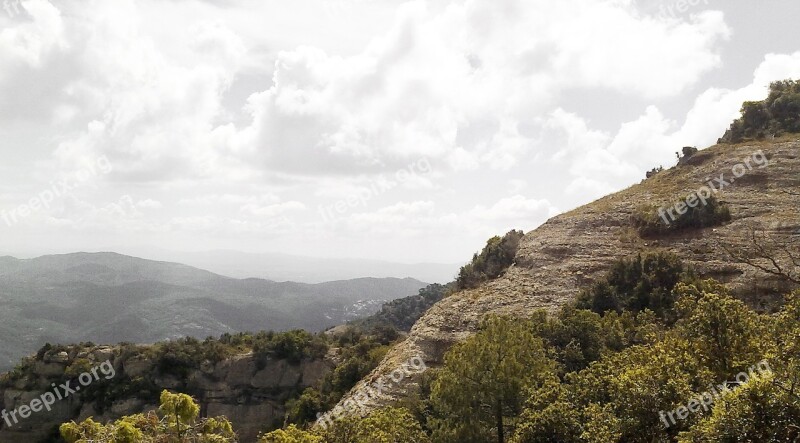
pixel 573 250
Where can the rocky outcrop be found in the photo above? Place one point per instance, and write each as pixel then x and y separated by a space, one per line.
pixel 572 250
pixel 251 394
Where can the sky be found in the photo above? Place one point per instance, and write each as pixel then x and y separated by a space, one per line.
pixel 408 131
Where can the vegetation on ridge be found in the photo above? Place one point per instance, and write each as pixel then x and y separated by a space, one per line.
pixel 778 114
pixel 493 260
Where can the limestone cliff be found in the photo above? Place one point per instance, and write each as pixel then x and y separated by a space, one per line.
pixel 251 393
pixel 573 249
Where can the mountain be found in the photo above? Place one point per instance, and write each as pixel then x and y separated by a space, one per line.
pixel 575 249
pixel 287 267
pixel 110 298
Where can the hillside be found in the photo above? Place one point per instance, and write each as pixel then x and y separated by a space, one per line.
pixel 248 388
pixel 111 298
pixel 572 250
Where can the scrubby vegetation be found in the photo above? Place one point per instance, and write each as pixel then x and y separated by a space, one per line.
pixel 176 421
pixel 493 260
pixel 638 345
pixel 401 314
pixel 637 284
pixel 390 425
pixel 357 353
pixel 778 114
pixel 654 221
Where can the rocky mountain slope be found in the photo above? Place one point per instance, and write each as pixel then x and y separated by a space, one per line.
pixel 571 250
pixel 110 298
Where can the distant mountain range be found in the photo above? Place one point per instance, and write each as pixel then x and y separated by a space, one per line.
pixel 286 267
pixel 109 298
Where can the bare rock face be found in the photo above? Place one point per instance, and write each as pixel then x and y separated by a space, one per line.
pixel 574 249
pixel 249 394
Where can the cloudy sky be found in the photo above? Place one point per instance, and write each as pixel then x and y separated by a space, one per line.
pixel 401 130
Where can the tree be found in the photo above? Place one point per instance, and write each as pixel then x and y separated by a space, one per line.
pixel 757 411
pixel 549 416
pixel 292 434
pixel 388 425
pixel 769 251
pixel 642 282
pixel 482 384
pixel 724 332
pixel 177 423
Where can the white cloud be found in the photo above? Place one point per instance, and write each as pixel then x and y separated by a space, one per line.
pixel 485 69
pixel 716 108
pixel 247 133
pixel 515 212
pixel 149 204
pixel 272 210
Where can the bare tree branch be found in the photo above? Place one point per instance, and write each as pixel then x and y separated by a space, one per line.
pixel 764 252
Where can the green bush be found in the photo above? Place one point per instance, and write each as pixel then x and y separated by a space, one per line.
pixel 494 259
pixel 652 221
pixel 636 284
pixel 778 114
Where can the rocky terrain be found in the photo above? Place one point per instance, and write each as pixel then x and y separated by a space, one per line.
pixel 250 394
pixel 571 250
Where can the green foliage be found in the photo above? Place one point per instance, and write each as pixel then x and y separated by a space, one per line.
pixel 725 333
pixel 401 314
pixel 179 357
pixel 359 354
pixel 292 434
pixel 494 259
pixel 484 378
pixel 292 345
pixel 778 114
pixel 574 377
pixel 636 284
pixel 177 423
pixel 652 221
pixel 389 425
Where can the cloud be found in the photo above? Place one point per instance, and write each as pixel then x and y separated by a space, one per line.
pixel 462 83
pixel 516 211
pixel 272 210
pixel 716 108
pixel 191 113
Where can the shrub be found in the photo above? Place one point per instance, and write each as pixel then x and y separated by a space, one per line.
pixel 650 220
pixel 778 114
pixel 494 259
pixel 636 284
